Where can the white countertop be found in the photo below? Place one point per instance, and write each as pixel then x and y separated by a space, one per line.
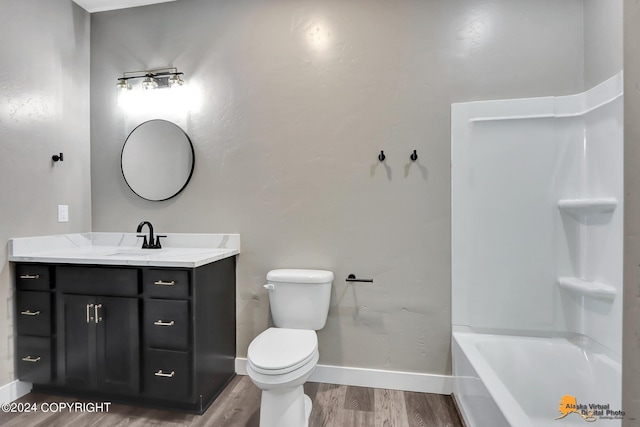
pixel 178 249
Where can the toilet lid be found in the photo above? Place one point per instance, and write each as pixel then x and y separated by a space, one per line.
pixel 282 350
pixel 289 275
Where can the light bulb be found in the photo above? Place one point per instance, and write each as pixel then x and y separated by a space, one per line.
pixel 123 84
pixel 175 80
pixel 149 83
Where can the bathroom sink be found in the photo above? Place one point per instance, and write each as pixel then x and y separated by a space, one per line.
pixel 137 252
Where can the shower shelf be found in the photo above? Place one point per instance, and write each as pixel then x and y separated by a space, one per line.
pixel 591 289
pixel 597 205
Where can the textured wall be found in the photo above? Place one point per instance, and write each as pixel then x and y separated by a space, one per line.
pixel 602 40
pixel 44 110
pixel 292 103
pixel 631 321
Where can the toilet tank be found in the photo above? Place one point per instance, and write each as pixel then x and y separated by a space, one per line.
pixel 299 299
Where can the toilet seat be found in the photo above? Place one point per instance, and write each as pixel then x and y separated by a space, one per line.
pixel 278 351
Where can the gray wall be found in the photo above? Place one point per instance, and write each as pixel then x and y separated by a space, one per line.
pixel 44 109
pixel 297 99
pixel 602 40
pixel 631 320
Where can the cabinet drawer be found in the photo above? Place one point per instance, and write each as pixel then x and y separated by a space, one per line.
pixel 32 277
pixel 34 359
pixel 167 374
pixel 166 283
pixel 97 281
pixel 33 312
pixel 166 324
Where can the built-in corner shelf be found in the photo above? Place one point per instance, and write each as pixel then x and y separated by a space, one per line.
pixel 591 289
pixel 588 206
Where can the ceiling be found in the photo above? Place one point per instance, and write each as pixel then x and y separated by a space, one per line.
pixel 102 5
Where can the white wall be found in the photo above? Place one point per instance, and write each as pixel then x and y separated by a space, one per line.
pixel 296 99
pixel 44 110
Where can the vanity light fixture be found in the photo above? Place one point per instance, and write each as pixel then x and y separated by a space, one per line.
pixel 152 79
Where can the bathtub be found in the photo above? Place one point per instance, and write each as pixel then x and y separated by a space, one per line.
pixel 517 381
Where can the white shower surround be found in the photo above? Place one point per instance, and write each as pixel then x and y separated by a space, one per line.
pixel 537 190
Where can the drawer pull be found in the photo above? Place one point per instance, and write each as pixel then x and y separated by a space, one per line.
pixel 29 359
pixel 162 283
pixel 161 323
pixel 162 374
pixel 30 276
pixel 30 313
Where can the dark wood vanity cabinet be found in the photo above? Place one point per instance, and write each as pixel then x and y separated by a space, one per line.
pixel 97 343
pixel 162 337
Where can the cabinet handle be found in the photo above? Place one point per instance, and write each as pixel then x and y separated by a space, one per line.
pixel 29 359
pixel 30 313
pixel 96 313
pixel 161 323
pixel 162 374
pixel 161 283
pixel 89 307
pixel 30 276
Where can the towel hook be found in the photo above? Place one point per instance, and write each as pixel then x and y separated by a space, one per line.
pixel 381 156
pixel 414 156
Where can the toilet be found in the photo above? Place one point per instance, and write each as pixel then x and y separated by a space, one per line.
pixel 281 359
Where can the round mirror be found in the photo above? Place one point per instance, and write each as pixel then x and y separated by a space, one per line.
pixel 157 160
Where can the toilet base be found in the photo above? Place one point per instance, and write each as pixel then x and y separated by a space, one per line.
pixel 285 408
pixel 307 409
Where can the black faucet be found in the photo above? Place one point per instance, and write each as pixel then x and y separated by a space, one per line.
pixel 151 243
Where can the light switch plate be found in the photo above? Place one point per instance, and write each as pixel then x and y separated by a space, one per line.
pixel 63 213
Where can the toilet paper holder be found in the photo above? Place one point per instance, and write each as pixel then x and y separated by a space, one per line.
pixel 353 278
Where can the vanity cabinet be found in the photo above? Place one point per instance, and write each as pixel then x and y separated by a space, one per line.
pixel 161 337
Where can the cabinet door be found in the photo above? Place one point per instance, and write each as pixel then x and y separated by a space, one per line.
pixel 117 344
pixel 77 341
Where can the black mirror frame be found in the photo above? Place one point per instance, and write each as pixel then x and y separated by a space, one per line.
pixel 193 161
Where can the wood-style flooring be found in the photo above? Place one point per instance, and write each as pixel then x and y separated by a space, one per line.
pixel 239 406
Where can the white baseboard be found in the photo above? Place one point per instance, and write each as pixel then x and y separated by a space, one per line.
pixel 14 390
pixel 360 377
pixel 374 378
